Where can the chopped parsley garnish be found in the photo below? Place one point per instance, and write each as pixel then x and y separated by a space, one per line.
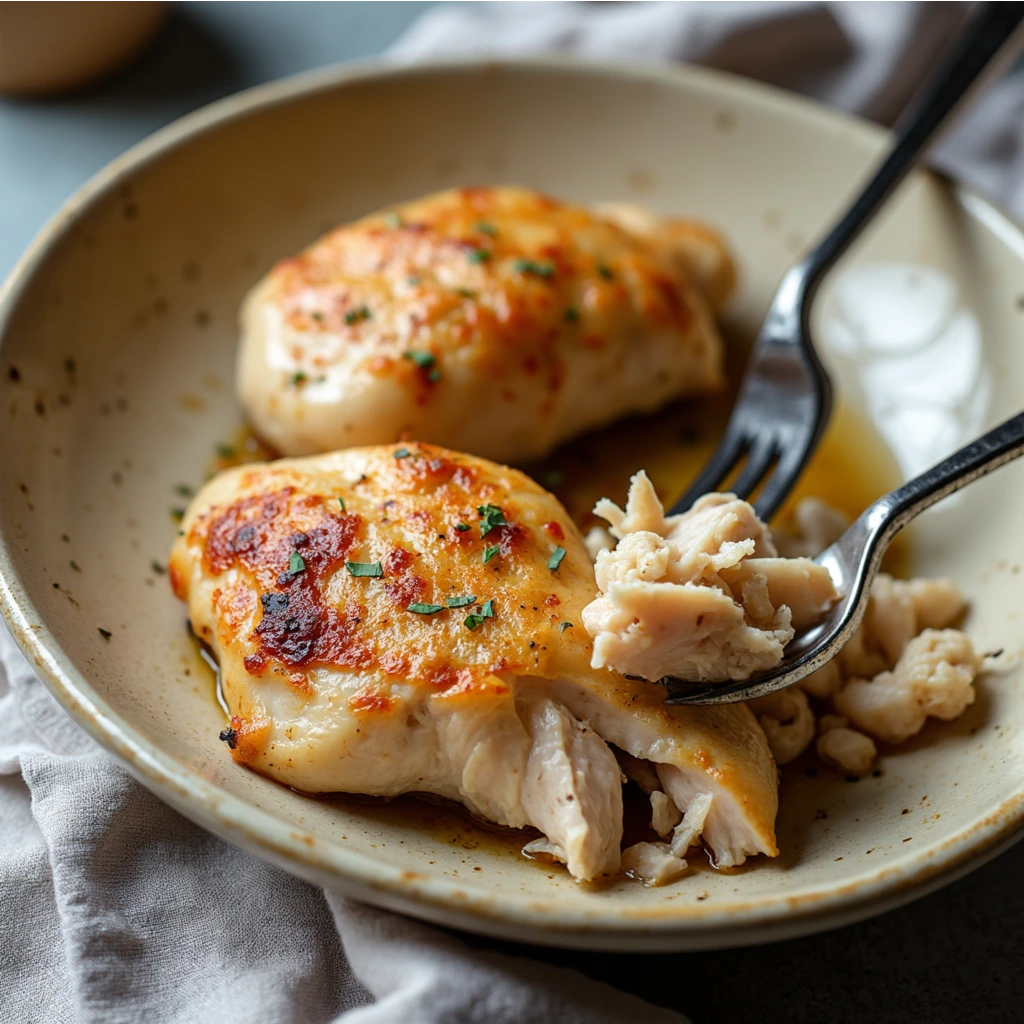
pixel 472 621
pixel 355 315
pixel 605 271
pixel 563 626
pixel 341 504
pixel 392 220
pixel 184 490
pixel 178 513
pixel 402 453
pixel 533 267
pixel 226 451
pixel 487 608
pixel 229 736
pixel 434 376
pixel 296 563
pixel 571 315
pixel 412 279
pixel 105 633
pixel 487 228
pixel 556 559
pixel 159 569
pixel 423 609
pixel 466 293
pixel 299 377
pixel 374 569
pixel 460 602
pixel 317 315
pixel 462 527
pixel 424 360
pixel 478 255
pixel 490 552
pixel 490 517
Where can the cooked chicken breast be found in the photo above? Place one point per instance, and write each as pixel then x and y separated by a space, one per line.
pixel 392 620
pixel 494 320
pixel 699 596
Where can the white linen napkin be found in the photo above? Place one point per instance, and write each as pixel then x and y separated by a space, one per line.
pixel 114 908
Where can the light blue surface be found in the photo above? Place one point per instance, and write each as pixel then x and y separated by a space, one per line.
pixel 49 147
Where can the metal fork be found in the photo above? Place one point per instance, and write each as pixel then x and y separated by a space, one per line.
pixel 786 396
pixel 853 561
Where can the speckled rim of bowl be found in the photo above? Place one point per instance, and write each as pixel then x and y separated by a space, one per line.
pixel 332 865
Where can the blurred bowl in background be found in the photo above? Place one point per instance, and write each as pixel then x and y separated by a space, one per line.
pixel 56 47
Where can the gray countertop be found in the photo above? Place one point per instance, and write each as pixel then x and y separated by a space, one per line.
pixel 954 956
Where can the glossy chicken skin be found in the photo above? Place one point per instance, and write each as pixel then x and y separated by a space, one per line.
pixel 493 320
pixel 339 681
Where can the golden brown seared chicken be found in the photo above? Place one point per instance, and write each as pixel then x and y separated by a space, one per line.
pixel 409 620
pixel 493 320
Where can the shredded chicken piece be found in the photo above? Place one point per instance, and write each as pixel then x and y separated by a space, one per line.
pixel 933 676
pixel 689 831
pixel 598 539
pixel 847 749
pixel 787 720
pixel 643 773
pixel 701 595
pixel 817 526
pixel 664 813
pixel 824 683
pixel 544 849
pixel 652 863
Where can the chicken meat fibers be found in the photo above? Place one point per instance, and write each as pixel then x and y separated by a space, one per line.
pixel 407 619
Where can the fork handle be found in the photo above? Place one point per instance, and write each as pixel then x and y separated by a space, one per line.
pixel 980 41
pixel 887 516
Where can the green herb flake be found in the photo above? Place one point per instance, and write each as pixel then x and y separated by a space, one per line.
pixel 490 517
pixel 605 271
pixel 225 451
pixel 466 293
pixel 296 563
pixel 392 220
pixel 434 376
pixel 374 569
pixel 424 360
pixel 571 315
pixel 487 608
pixel 299 377
pixel 478 255
pixel 556 559
pixel 463 527
pixel 184 490
pixel 472 621
pixel 341 504
pixel 487 228
pixel 317 316
pixel 178 514
pixel 460 602
pixel 490 552
pixel 412 280
pixel 563 626
pixel 424 609
pixel 402 453
pixel 533 267
pixel 160 570
pixel 355 315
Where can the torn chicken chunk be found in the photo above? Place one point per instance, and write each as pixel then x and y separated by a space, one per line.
pixel 787 720
pixel 701 596
pixel 652 863
pixel 934 676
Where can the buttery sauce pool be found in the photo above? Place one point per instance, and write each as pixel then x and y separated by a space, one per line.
pixel 851 468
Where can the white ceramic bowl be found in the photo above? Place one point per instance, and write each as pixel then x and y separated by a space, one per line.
pixel 117 336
